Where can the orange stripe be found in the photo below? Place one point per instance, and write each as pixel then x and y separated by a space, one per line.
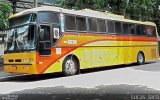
pixel 53 58
pixel 88 38
pixel 114 37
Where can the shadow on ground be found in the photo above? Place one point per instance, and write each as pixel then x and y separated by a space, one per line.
pixel 149 67
pixel 108 92
pixel 30 78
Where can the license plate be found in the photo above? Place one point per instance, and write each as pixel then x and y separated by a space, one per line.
pixel 14 67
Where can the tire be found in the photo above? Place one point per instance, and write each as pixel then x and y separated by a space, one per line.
pixel 70 67
pixel 140 58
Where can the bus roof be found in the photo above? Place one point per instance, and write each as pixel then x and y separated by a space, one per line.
pixel 84 12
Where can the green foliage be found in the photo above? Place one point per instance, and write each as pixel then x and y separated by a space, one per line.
pixel 144 10
pixel 5 11
pixel 135 9
pixel 141 9
pixel 82 4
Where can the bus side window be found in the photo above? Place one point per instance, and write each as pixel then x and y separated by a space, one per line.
pixel 125 28
pixel 132 29
pixel 101 26
pixel 138 29
pixel 48 17
pixel 81 24
pixel 118 28
pixel 150 31
pixel 143 30
pixel 92 24
pixel 154 31
pixel 110 25
pixel 45 35
pixel 70 24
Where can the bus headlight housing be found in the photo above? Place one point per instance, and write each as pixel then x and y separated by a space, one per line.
pixel 28 60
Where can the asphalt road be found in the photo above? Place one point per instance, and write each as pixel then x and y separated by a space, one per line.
pixel 124 79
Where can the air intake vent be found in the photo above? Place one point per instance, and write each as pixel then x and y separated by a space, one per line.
pixel 18 60
pixel 10 60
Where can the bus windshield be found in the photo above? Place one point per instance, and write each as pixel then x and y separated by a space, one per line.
pixel 21 20
pixel 21 33
pixel 21 38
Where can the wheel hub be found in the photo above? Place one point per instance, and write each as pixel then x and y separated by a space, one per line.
pixel 70 67
pixel 140 58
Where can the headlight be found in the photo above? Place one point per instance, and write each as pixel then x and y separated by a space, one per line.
pixel 26 60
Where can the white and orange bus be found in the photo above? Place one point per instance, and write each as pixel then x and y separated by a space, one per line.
pixel 52 39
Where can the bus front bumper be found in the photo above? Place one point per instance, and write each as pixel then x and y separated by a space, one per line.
pixel 23 69
pixel 24 63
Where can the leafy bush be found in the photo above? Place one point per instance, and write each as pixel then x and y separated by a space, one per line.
pixel 5 11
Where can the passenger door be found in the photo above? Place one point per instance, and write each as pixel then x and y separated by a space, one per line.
pixel 44 43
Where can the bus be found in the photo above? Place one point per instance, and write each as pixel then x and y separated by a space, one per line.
pixel 52 39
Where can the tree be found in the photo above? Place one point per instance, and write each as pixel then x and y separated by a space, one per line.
pixel 68 3
pixel 141 9
pixel 135 9
pixel 82 4
pixel 5 11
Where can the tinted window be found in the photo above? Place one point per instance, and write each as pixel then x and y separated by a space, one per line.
pixel 138 29
pixel 81 24
pixel 132 28
pixel 110 25
pixel 44 40
pixel 70 23
pixel 92 24
pixel 154 31
pixel 150 31
pixel 118 28
pixel 143 29
pixel 45 35
pixel 20 20
pixel 48 17
pixel 125 28
pixel 101 26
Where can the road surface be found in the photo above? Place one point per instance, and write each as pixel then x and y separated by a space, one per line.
pixel 124 79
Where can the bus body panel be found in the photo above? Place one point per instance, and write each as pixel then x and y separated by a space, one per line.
pixel 92 51
pixel 108 53
pixel 20 63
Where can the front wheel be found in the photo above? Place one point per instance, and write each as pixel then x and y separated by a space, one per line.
pixel 70 67
pixel 140 58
